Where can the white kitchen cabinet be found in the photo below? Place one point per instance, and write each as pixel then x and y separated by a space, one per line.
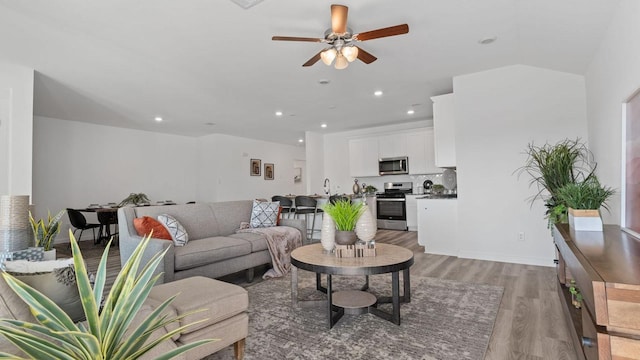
pixel 421 153
pixel 363 157
pixel 392 145
pixel 444 130
pixel 412 212
pixel 437 226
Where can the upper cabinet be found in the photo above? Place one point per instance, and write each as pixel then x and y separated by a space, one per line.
pixel 420 150
pixel 416 144
pixel 363 157
pixel 444 130
pixel 392 145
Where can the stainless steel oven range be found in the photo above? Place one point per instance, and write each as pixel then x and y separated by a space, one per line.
pixel 391 206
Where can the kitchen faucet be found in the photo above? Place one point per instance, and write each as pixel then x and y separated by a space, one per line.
pixel 327 186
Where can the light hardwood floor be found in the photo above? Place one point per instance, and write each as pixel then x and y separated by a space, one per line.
pixel 530 324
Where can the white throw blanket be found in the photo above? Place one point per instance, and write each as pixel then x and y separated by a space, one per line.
pixel 281 241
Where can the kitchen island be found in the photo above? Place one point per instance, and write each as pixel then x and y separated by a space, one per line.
pixel 437 224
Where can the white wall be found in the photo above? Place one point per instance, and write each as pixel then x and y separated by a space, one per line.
pixel 498 112
pixel 336 156
pixel 76 164
pixel 16 124
pixel 224 168
pixel 315 156
pixel 613 75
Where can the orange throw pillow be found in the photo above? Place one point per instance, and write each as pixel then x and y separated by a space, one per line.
pixel 145 224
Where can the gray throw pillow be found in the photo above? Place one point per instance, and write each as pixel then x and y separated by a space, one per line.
pixel 264 214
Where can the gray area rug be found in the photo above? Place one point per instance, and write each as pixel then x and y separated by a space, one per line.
pixel 445 320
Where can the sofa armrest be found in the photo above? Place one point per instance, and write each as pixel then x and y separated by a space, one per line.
pixel 299 224
pixel 129 240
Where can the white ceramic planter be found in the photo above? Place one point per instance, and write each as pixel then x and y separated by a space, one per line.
pixel 49 255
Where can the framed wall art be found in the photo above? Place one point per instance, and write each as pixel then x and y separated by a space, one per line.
pixel 254 167
pixel 268 171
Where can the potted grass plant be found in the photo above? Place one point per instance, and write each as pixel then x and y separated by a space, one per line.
pixel 345 215
pixel 110 331
pixel 553 166
pixel 44 233
pixel 583 201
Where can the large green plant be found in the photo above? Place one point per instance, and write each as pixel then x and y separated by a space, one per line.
pixel 110 332
pixel 45 233
pixel 553 166
pixel 344 213
pixel 585 195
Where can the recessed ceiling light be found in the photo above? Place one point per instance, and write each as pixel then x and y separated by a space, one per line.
pixel 300 140
pixel 278 113
pixel 158 118
pixel 323 125
pixel 411 112
pixel 487 40
pixel 378 93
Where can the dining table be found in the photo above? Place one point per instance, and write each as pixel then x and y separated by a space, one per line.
pixel 107 216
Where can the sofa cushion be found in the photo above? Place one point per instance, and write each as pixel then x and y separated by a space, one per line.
pixel 257 241
pixel 264 214
pixel 219 299
pixel 178 233
pixel 209 250
pixel 147 224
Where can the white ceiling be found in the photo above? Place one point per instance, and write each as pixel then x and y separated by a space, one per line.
pixel 122 62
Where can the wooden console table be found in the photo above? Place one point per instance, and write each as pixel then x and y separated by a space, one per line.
pixel 605 268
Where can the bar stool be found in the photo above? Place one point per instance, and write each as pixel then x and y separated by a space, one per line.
pixel 306 206
pixel 286 204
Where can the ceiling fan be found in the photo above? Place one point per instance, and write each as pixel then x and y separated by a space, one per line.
pixel 341 40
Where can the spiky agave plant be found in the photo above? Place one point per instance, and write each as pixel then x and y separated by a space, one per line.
pixel 109 332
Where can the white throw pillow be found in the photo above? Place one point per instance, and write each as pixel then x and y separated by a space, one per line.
pixel 178 233
pixel 264 214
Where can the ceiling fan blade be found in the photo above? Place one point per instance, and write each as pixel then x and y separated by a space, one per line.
pixel 365 57
pixel 384 32
pixel 294 38
pixel 339 18
pixel 313 60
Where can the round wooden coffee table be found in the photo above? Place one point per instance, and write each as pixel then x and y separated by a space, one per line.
pixel 389 259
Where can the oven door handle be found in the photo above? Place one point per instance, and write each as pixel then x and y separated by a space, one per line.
pixel 391 199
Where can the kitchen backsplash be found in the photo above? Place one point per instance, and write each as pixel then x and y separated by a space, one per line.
pixel 417 180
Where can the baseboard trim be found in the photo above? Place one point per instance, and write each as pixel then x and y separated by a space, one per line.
pixel 524 260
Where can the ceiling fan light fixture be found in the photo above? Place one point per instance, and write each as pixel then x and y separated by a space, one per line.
pixel 328 55
pixel 341 62
pixel 350 53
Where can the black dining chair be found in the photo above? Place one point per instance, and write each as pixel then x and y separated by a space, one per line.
pixel 306 205
pixel 286 204
pixel 79 222
pixel 106 219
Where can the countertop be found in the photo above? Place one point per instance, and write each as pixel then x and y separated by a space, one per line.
pixel 443 196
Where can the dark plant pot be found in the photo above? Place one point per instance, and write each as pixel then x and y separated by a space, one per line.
pixel 346 237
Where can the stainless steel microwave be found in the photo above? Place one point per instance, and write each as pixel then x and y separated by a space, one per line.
pixel 393 166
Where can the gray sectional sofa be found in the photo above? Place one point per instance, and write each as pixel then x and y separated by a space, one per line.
pixel 213 249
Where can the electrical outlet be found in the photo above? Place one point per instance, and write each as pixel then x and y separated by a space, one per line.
pixel 521 236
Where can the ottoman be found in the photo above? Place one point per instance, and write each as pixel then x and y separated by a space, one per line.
pixel 225 313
